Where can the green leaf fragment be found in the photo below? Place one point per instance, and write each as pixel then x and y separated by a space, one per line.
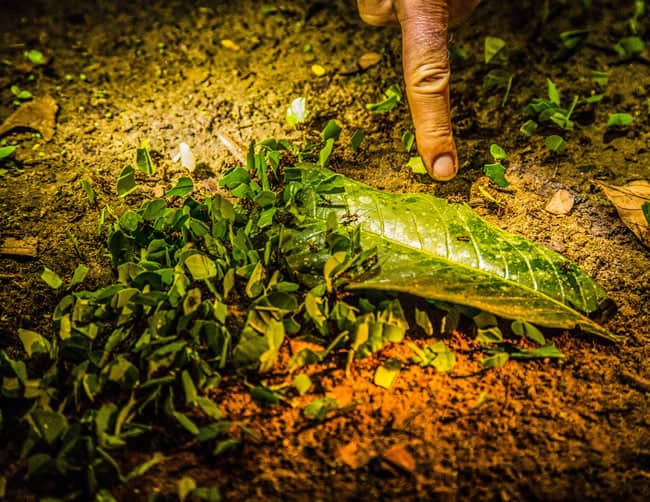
pixel 200 266
pixel 234 178
pixel 417 165
pixel 79 274
pixel 126 182
pixel 492 49
pixel 5 151
pixel 274 335
pixel 104 495
pixel 21 94
pixel 143 159
pixel 529 128
pixel 628 46
pixel 225 446
pixel 35 57
pixel 645 207
pixel 555 143
pixel 47 424
pixel 186 422
pixel 437 355
pixel 619 120
pixel 422 319
pixel 183 187
pixel 140 469
pixel 33 342
pixel 331 131
pixel 355 140
pixel 302 383
pixel 90 191
pixel 600 78
pixel 596 98
pixel 496 173
pixel 483 398
pixel 571 39
pixel 189 388
pixel 444 361
pixel 325 152
pixel 489 335
pixel 51 278
pixel 386 373
pixel 123 372
pixel 547 351
pixel 211 493
pixel 495 361
pixel 527 330
pixel 392 97
pixel 185 486
pixel 39 464
pixel 553 93
pixel 408 140
pixel 497 152
pixel 319 408
pixel 263 396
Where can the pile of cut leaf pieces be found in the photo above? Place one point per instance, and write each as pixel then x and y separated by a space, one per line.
pixel 218 286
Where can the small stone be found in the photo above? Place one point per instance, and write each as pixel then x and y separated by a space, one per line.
pixel 230 45
pixel 399 456
pixel 561 203
pixel 369 59
pixel 352 455
pixel 318 70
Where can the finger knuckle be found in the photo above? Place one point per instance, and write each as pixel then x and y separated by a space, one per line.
pixel 376 12
pixel 431 78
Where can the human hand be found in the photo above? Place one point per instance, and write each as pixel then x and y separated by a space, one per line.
pixel 426 70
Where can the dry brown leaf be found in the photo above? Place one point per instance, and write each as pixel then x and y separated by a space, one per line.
pixel 38 115
pixel 627 200
pixel 399 456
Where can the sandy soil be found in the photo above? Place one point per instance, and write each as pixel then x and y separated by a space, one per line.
pixel 122 72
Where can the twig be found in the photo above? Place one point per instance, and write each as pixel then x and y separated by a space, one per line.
pixel 235 149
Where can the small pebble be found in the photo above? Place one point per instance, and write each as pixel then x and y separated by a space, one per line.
pixel 561 203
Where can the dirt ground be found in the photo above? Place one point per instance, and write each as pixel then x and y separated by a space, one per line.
pixel 122 72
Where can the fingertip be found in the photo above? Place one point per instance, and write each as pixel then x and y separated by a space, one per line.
pixel 443 167
pixel 440 158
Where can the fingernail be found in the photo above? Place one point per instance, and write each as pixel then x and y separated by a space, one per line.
pixel 443 167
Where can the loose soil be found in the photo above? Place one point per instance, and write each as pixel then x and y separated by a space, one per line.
pixel 571 430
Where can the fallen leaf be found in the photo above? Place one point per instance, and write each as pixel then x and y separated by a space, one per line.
pixel 399 456
pixel 369 59
pixel 455 257
pixel 561 203
pixel 38 115
pixel 627 200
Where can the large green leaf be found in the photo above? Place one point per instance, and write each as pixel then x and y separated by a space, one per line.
pixel 443 251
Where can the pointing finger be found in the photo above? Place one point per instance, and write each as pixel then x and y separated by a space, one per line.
pixel 426 74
